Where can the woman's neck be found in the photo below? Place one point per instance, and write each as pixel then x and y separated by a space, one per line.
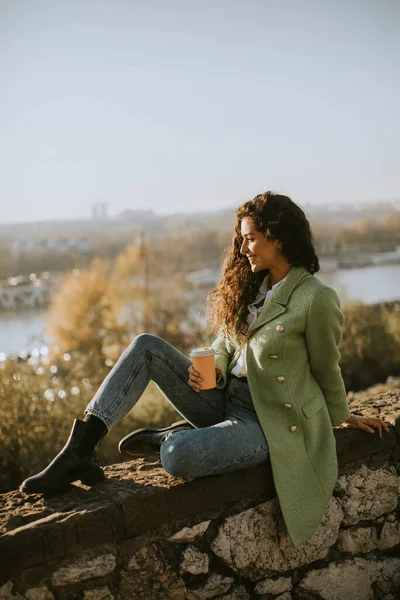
pixel 279 272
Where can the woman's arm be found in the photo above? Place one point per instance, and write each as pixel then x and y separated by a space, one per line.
pixel 224 351
pixel 323 335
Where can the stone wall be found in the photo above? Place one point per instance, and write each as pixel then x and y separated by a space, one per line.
pixel 143 534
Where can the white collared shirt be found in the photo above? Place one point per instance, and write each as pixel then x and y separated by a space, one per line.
pixel 239 369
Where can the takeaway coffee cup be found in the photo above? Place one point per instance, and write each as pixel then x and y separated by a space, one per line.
pixel 203 360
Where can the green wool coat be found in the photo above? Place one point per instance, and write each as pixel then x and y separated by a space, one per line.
pixel 298 393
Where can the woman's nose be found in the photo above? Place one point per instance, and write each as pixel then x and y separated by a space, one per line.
pixel 243 247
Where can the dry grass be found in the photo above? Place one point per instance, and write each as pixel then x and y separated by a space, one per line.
pixel 370 346
pixel 33 428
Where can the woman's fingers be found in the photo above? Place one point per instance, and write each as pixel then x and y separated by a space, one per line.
pixel 367 424
pixel 365 427
pixel 380 425
pixel 194 378
pixel 370 422
pixel 194 385
pixel 192 371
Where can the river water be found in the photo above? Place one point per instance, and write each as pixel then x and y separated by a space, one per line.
pixel 24 331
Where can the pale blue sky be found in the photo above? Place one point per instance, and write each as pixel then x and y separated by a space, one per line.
pixel 184 105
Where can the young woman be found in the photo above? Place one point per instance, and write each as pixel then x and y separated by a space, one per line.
pixel 279 387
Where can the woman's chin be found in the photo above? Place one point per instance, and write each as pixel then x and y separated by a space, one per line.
pixel 257 268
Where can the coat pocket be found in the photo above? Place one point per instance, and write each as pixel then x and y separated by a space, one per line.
pixel 313 405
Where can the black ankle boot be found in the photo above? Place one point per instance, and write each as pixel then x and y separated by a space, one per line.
pixel 76 461
pixel 147 440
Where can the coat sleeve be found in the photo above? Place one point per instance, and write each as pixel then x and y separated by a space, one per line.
pixel 323 335
pixel 224 351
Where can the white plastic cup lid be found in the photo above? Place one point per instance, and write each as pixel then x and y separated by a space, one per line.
pixel 200 352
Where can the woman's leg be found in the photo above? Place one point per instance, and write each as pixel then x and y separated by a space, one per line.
pixel 151 358
pixel 148 357
pixel 233 444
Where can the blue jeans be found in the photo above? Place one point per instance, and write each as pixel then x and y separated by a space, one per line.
pixel 227 434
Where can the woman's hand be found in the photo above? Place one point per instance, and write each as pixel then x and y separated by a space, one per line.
pixel 195 378
pixel 367 424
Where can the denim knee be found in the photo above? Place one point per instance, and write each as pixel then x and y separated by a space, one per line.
pixel 176 455
pixel 145 340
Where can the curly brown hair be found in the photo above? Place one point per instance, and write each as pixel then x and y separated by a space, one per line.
pixel 279 219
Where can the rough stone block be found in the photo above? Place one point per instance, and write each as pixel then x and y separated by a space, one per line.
pixel 357 540
pixel 194 562
pixel 39 593
pixel 285 596
pixel 98 593
pixel 33 577
pixel 216 585
pixel 390 535
pixel 273 586
pixel 95 562
pixel 150 576
pixel 189 534
pixel 354 579
pixel 236 593
pixel 353 446
pixel 253 543
pixel 342 581
pixel 388 579
pixel 6 592
pixel 368 494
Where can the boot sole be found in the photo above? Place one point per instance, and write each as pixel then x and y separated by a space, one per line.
pixel 139 453
pixel 88 477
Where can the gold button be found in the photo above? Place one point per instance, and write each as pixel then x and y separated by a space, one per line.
pixel 280 379
pixel 287 405
pixel 280 328
pixel 293 428
pixel 274 356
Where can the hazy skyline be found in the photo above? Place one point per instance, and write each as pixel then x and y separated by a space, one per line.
pixel 185 106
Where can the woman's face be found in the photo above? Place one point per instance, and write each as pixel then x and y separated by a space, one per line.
pixel 262 254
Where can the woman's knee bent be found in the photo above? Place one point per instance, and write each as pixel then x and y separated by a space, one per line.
pixel 176 456
pixel 147 340
pixel 144 342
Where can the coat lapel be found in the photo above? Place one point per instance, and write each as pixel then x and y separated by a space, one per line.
pixel 277 305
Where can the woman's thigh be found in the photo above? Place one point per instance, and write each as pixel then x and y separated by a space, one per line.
pixel 150 358
pixel 235 443
pixel 170 373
